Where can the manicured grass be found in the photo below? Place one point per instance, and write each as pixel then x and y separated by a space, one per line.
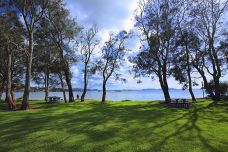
pixel 112 127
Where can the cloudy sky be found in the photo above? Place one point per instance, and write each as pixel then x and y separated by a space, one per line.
pixel 110 16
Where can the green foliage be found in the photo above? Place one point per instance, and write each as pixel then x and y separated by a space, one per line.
pixel 223 87
pixel 115 126
pixel 113 53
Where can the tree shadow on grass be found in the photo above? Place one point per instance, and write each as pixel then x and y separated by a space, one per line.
pixel 191 124
pixel 101 125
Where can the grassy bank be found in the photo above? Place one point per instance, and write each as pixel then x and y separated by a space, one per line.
pixel 121 126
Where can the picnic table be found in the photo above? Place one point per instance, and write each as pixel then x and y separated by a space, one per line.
pixel 179 103
pixel 54 99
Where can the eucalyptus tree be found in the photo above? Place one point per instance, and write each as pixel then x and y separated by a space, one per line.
pixel 113 53
pixel 182 69
pixel 62 30
pixel 57 69
pixel 208 17
pixel 41 71
pixel 31 12
pixel 157 23
pixel 11 39
pixel 223 47
pixel 86 45
pixel 187 42
pixel 2 71
pixel 44 56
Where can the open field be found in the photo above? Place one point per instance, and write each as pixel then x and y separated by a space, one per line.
pixel 115 126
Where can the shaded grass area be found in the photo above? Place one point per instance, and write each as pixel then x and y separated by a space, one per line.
pixel 115 126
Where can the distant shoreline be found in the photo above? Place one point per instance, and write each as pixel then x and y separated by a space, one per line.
pixel 118 90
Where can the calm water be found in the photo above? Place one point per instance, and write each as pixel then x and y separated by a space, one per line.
pixel 145 95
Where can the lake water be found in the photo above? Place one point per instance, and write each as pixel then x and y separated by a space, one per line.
pixel 145 95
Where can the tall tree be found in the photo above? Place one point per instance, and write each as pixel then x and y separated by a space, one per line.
pixel 182 69
pixel 44 56
pixel 62 30
pixel 31 11
pixel 11 38
pixel 2 70
pixel 157 22
pixel 113 53
pixel 208 17
pixel 186 44
pixel 86 45
pixel 57 68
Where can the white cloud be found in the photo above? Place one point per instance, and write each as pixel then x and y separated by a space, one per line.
pixel 111 16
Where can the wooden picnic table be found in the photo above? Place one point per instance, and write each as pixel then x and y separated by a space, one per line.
pixel 54 99
pixel 179 103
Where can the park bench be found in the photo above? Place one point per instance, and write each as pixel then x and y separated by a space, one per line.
pixel 179 103
pixel 54 99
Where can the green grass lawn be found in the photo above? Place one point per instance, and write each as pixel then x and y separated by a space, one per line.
pixel 112 127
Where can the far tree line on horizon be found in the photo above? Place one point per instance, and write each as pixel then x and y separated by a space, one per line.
pixel 40 41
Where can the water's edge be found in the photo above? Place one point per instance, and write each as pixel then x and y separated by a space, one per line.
pixel 143 95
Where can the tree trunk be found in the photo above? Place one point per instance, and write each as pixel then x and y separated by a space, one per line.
pixel 68 81
pixel 63 89
pixel 201 72
pixel 190 79
pixel 9 98
pixel 216 71
pixel 47 84
pixel 25 102
pixel 165 83
pixel 2 88
pixel 66 73
pixel 190 89
pixel 206 86
pixel 85 84
pixel 165 89
pixel 104 92
pixel 13 95
pixel 217 96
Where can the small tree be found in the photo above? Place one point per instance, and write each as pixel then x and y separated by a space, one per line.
pixel 113 53
pixel 86 45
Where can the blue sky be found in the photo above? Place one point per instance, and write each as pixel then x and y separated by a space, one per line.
pixel 110 16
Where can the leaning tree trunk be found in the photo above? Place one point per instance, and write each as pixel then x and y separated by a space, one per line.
pixel 67 74
pixel 85 84
pixel 164 83
pixel 25 102
pixel 165 91
pixel 62 85
pixel 104 91
pixel 190 88
pixel 46 84
pixel 189 77
pixel 206 86
pixel 68 81
pixel 9 98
